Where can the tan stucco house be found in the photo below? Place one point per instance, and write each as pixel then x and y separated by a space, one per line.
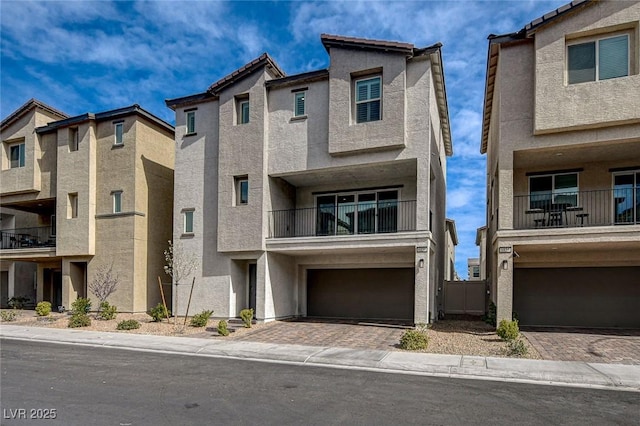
pixel 319 194
pixel 561 132
pixel 82 193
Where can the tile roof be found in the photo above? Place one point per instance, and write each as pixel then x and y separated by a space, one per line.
pixel 28 106
pixel 329 40
pixel 229 79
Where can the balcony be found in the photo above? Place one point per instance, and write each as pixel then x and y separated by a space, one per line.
pixel 619 206
pixel 27 238
pixel 364 218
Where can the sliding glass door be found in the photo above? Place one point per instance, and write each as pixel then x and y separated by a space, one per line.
pixel 357 213
pixel 626 197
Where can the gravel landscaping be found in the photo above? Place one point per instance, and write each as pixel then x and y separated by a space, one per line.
pixel 455 337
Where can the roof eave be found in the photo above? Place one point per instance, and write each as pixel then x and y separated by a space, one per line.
pixel 441 96
pixel 25 108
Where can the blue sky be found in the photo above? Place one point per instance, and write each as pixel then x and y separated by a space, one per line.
pixel 81 56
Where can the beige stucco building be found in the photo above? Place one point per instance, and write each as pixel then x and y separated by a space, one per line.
pixel 317 194
pixel 81 193
pixel 562 138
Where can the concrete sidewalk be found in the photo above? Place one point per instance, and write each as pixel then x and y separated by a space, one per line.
pixel 565 373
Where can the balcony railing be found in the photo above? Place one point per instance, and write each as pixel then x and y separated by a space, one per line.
pixel 344 219
pixel 619 206
pixel 27 238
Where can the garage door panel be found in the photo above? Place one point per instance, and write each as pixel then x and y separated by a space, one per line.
pixel 385 293
pixel 579 297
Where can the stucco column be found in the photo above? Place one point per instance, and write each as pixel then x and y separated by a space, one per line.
pixel 421 298
pixel 505 287
pixel 40 283
pixel 68 296
pixel 262 292
pixel 11 285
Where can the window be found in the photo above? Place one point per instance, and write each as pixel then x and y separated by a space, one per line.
pixel 119 127
pixel 16 153
pixel 598 60
pixel 626 197
pixel 298 104
pixel 368 96
pixel 242 190
pixel 357 213
pixel 551 189
pixel 117 201
pixel 72 207
pixel 242 109
pixel 73 139
pixel 188 221
pixel 191 122
pixel 475 271
pixel 53 225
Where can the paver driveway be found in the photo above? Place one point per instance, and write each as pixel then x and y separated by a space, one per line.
pixel 589 345
pixel 326 333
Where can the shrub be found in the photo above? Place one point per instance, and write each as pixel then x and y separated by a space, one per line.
pixel 490 317
pixel 201 319
pixel 516 348
pixel 7 316
pixel 508 330
pixel 107 311
pixel 79 319
pixel 414 340
pixel 130 324
pixel 18 302
pixel 81 305
pixel 222 328
pixel 158 313
pixel 43 309
pixel 247 317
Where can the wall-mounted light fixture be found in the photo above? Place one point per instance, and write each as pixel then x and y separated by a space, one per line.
pixel 505 265
pixel 421 263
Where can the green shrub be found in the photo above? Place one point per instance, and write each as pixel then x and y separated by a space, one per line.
pixel 490 317
pixel 516 348
pixel 18 302
pixel 508 330
pixel 79 319
pixel 247 317
pixel 43 309
pixel 7 316
pixel 158 313
pixel 107 311
pixel 416 339
pixel 222 328
pixel 130 324
pixel 81 305
pixel 201 319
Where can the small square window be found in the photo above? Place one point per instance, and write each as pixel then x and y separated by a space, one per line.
pixel 73 139
pixel 17 155
pixel 242 190
pixel 368 99
pixel 191 122
pixel 188 221
pixel 242 109
pixel 299 108
pixel 117 201
pixel 72 207
pixel 119 129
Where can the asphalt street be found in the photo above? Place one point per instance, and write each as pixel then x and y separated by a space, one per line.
pixel 106 386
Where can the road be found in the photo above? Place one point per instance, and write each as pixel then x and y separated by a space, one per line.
pixel 105 386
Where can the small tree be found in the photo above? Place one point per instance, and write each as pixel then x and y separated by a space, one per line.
pixel 105 283
pixel 180 264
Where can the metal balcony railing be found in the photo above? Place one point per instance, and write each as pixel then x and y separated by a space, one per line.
pixel 27 238
pixel 619 206
pixel 344 219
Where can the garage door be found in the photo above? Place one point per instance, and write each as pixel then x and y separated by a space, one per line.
pixel 578 297
pixel 361 293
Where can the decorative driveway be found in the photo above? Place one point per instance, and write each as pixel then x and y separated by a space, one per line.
pixel 589 345
pixel 326 333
